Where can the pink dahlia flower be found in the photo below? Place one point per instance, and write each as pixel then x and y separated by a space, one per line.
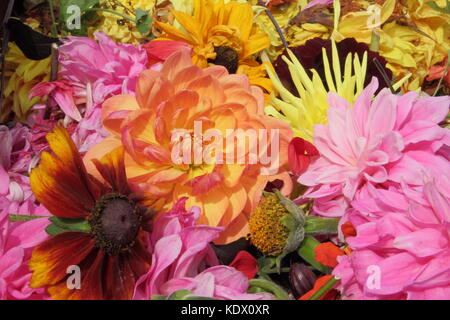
pixel 17 240
pixel 383 142
pixel 401 255
pixel 15 156
pixel 181 255
pixel 90 72
pixel 221 282
pixel 179 249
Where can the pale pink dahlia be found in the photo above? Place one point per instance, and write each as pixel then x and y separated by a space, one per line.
pixel 401 255
pixel 382 142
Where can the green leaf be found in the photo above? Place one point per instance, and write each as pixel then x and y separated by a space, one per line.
pixel 143 21
pixel 434 5
pixel 54 230
pixel 78 224
pixel 87 18
pixel 60 225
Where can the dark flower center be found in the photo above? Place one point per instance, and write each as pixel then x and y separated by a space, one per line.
pixel 115 223
pixel 227 57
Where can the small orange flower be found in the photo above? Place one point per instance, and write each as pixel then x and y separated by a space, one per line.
pixel 326 253
pixel 110 255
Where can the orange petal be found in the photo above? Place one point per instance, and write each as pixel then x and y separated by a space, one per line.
pixel 91 282
pixel 50 259
pixel 116 109
pixel 326 253
pixel 112 169
pixel 60 181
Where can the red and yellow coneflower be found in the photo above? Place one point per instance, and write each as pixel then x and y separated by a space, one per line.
pixel 109 252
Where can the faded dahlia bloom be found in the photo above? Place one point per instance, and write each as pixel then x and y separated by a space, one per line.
pixel 388 141
pixel 409 250
pixel 187 102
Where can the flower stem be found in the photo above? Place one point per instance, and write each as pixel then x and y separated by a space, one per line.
pixel 20 217
pixel 52 15
pixel 113 12
pixel 306 251
pixel 275 23
pixel 318 225
pixel 324 289
pixel 270 286
pixel 440 80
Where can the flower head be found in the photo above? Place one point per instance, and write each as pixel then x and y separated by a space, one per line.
pixel 106 240
pixel 408 249
pixel 309 105
pixel 90 72
pixel 376 143
pixel 220 282
pixel 180 249
pixel 165 129
pixel 222 34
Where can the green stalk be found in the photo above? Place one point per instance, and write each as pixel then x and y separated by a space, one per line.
pixel 440 80
pixel 20 217
pixel 318 225
pixel 306 251
pixel 270 286
pixel 113 12
pixel 324 289
pixel 52 15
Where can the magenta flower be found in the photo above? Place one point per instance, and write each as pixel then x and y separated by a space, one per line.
pixel 408 251
pixel 221 282
pixel 384 143
pixel 179 249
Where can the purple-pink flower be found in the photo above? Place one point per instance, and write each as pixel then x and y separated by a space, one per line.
pixel 221 282
pixel 90 72
pixel 181 254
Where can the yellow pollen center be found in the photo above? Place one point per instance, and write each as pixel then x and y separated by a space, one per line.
pixel 267 232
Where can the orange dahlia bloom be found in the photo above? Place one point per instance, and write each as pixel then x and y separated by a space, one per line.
pixel 109 250
pixel 185 98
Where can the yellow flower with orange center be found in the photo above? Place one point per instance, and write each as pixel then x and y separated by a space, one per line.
pixel 222 34
pixel 200 133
